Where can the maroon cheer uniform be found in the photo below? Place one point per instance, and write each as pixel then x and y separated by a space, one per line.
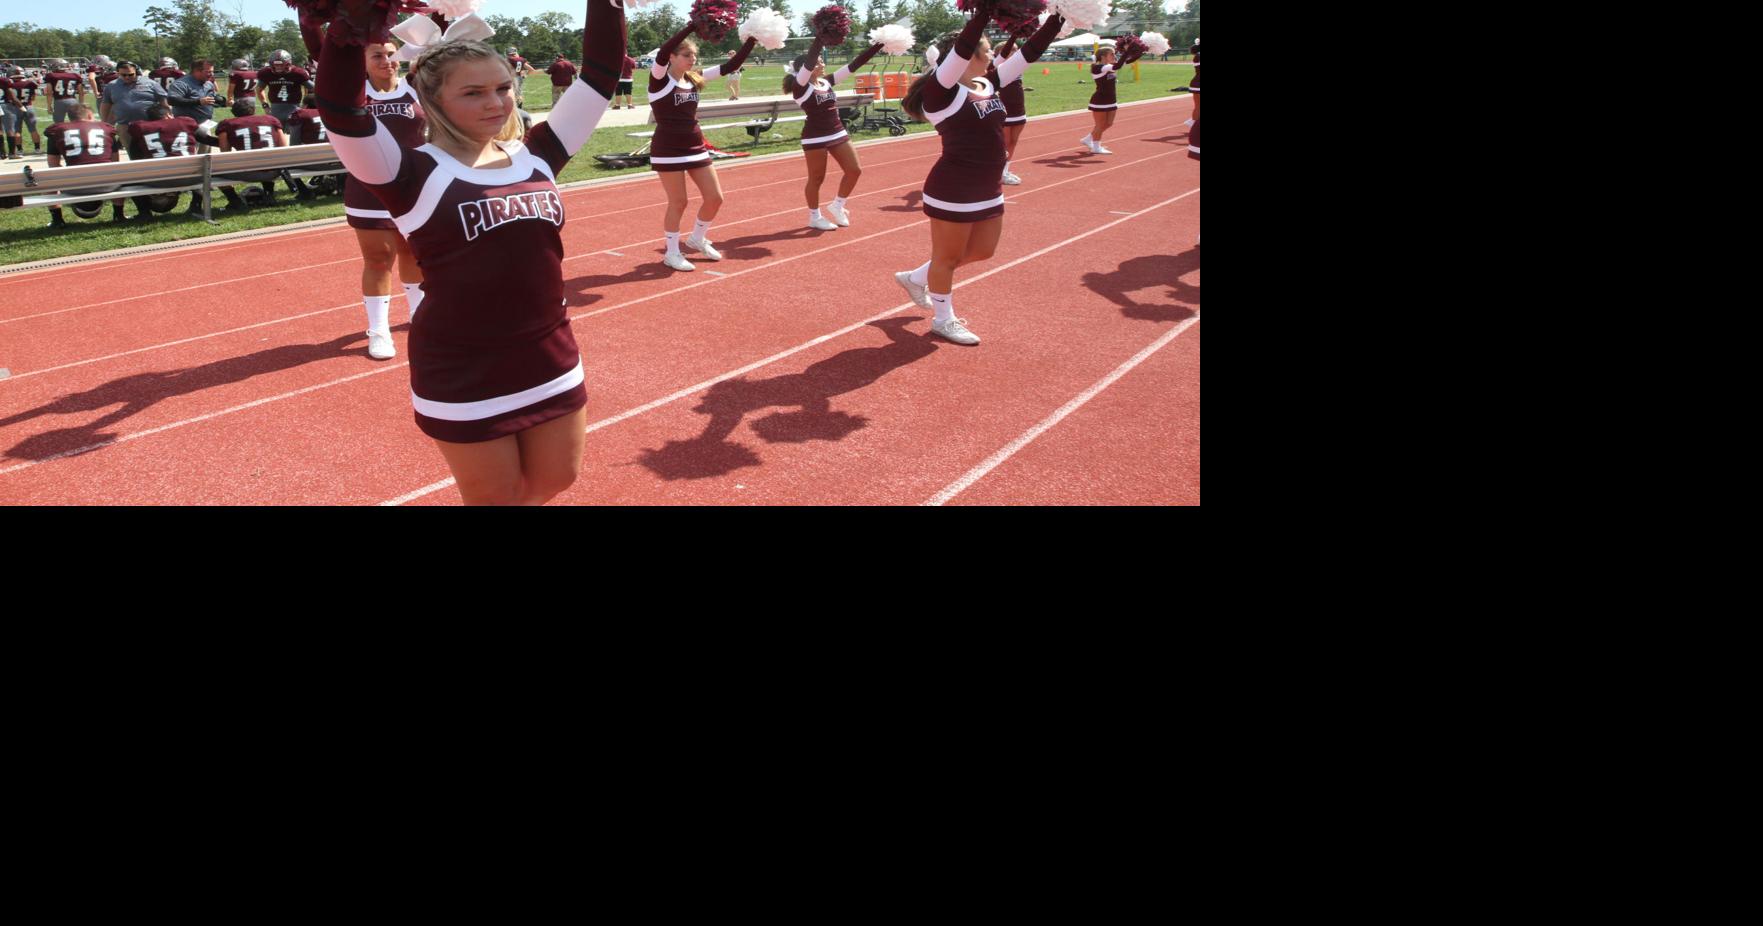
pixel 242 83
pixel 78 143
pixel 966 184
pixel 171 137
pixel 1194 85
pixel 249 133
pixel 165 77
pixel 1015 104
pixel 824 128
pixel 1104 75
pixel 306 127
pixel 397 110
pixel 678 143
pixel 491 352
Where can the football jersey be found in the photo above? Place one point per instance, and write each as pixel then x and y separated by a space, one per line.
pixel 65 85
pixel 26 90
pixel 249 133
pixel 563 73
pixel 284 89
pixel 102 78
pixel 172 137
pixel 5 88
pixel 79 143
pixel 165 77
pixel 244 83
pixel 307 125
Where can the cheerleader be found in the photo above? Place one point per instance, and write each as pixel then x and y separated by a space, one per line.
pixel 1102 103
pixel 678 148
pixel 495 374
pixel 1194 85
pixel 964 195
pixel 391 102
pixel 824 134
pixel 1011 92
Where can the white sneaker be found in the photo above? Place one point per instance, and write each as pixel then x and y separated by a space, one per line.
pixel 837 213
pixel 1089 143
pixel 703 247
pixel 1101 150
pixel 1189 123
pixel 379 345
pixel 1011 179
pixel 920 294
pixel 822 224
pixel 678 262
pixel 955 331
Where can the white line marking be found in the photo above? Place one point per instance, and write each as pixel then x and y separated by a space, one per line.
pixel 700 387
pixel 995 460
pixel 168 292
pixel 1118 212
pixel 615 253
pixel 178 424
pixel 716 273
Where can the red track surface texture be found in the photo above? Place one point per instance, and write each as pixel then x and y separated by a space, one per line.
pixel 236 373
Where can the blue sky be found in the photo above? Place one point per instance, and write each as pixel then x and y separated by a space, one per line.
pixel 119 15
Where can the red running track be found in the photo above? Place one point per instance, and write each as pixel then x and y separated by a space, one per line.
pixel 797 373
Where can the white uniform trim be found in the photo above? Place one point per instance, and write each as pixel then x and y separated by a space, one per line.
pixel 391 94
pixel 576 114
pixel 960 97
pixel 962 207
pixel 1104 105
pixel 501 405
pixel 664 91
pixel 700 156
pixel 521 167
pixel 815 141
pixel 1012 120
pixel 367 213
pixel 1193 149
pixel 1011 70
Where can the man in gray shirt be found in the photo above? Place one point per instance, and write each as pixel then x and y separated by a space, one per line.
pixel 195 94
pixel 126 99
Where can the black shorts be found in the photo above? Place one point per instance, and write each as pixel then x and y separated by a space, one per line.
pixel 624 88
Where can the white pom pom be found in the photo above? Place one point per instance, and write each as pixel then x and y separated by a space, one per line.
pixel 634 4
pixel 454 9
pixel 1064 30
pixel 768 26
pixel 1155 43
pixel 931 55
pixel 895 40
pixel 1084 14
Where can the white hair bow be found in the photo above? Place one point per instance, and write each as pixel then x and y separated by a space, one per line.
pixel 419 34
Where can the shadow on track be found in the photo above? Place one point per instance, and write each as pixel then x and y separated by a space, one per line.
pixel 1164 272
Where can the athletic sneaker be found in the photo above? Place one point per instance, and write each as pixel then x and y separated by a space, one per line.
pixel 1101 150
pixel 822 224
pixel 837 213
pixel 678 262
pixel 1189 123
pixel 955 331
pixel 379 345
pixel 703 247
pixel 1011 179
pixel 920 294
pixel 1089 143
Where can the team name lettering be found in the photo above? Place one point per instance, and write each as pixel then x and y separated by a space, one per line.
pixel 988 106
pixel 486 214
pixel 376 110
pixel 824 97
pixel 682 98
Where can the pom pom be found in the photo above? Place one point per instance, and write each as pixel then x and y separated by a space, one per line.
pixel 1014 16
pixel 832 25
pixel 1084 14
pixel 712 19
pixel 353 22
pixel 894 40
pixel 455 9
pixel 1156 43
pixel 768 26
pixel 1064 30
pixel 1128 46
pixel 931 55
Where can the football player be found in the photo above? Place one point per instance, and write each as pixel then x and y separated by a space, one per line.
pixel 78 140
pixel 282 85
pixel 66 88
pixel 162 135
pixel 165 73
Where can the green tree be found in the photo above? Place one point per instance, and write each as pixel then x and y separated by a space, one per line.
pixel 163 22
pixel 195 36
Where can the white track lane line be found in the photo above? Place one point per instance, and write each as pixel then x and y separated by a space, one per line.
pixel 1009 450
pixel 757 364
pixel 447 482
pixel 171 292
pixel 400 295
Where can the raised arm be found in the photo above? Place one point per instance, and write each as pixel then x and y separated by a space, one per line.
pixel 844 73
pixel 734 62
pixel 1012 69
pixel 950 69
pixel 659 70
pixel 363 145
pixel 579 110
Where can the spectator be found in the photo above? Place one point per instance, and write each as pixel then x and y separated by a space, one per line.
pixel 624 83
pixel 562 75
pixel 734 84
pixel 195 95
pixel 125 100
pixel 81 140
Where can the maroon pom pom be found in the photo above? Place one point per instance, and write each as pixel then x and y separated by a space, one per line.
pixel 1020 28
pixel 1015 11
pixel 832 25
pixel 713 19
pixel 1127 46
pixel 354 22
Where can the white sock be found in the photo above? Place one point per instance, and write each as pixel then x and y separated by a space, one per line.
pixel 814 213
pixel 921 276
pixel 701 230
pixel 943 306
pixel 378 313
pixel 672 244
pixel 413 296
pixel 839 201
pixel 1006 168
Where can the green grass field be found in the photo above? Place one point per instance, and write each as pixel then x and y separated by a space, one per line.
pixel 25 237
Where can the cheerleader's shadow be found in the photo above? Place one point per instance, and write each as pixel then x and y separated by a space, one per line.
pixel 805 396
pixel 1181 140
pixel 747 247
pixel 135 394
pixel 582 290
pixel 1069 161
pixel 911 202
pixel 1161 274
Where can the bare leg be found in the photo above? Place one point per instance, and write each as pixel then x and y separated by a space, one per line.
pixel 710 189
pixel 529 468
pixel 674 183
pixel 846 155
pixel 816 176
